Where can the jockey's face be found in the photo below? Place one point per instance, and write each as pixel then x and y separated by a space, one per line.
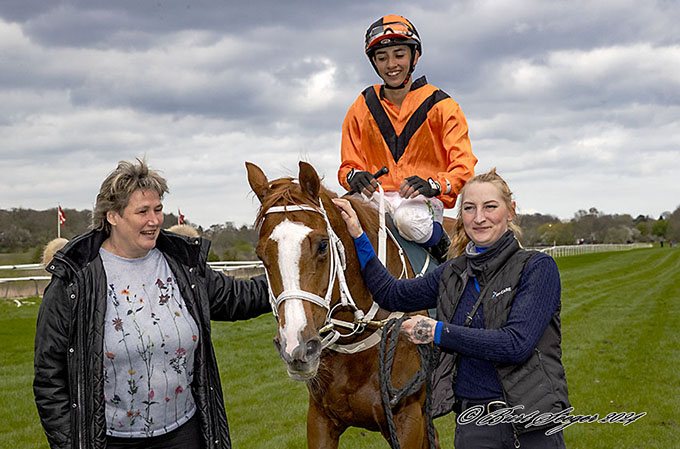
pixel 393 63
pixel 485 214
pixel 135 230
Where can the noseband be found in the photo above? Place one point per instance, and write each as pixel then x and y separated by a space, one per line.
pixel 337 271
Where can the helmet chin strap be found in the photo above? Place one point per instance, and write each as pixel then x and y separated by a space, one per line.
pixel 401 86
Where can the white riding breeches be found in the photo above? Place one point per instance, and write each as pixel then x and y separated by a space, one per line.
pixel 412 217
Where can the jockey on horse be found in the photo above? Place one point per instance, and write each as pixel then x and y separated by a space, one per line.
pixel 414 129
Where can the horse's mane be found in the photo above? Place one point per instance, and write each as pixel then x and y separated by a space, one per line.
pixel 287 191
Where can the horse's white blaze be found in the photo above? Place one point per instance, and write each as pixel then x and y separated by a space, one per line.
pixel 289 237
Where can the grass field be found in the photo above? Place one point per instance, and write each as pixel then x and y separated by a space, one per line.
pixel 620 322
pixel 20 258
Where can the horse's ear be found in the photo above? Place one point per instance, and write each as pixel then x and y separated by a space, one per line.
pixel 258 180
pixel 309 180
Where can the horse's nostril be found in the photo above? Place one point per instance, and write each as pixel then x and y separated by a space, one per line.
pixel 313 348
pixel 307 352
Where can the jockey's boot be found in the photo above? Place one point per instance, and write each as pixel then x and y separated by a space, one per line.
pixel 441 248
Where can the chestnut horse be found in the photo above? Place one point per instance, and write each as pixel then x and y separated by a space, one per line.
pixel 304 245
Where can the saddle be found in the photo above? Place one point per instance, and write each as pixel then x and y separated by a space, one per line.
pixel 421 260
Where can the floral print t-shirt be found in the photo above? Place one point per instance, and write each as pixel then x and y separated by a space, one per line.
pixel 149 343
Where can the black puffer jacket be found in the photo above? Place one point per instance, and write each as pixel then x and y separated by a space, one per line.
pixel 68 383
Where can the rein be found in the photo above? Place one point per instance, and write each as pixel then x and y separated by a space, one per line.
pixel 390 396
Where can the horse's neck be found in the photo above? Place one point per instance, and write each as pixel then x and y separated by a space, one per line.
pixel 363 297
pixel 360 293
pixel 357 289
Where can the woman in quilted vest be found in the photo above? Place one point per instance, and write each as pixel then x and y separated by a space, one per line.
pixel 497 323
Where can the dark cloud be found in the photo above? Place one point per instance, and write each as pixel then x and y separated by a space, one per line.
pixel 104 24
pixel 585 93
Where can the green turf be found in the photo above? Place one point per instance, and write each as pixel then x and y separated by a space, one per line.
pixel 620 321
pixel 23 257
pixel 19 422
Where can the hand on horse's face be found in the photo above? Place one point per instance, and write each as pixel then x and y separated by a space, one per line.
pixel 419 329
pixel 350 216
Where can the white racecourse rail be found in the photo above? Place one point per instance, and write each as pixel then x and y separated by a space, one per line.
pixel 574 250
pixel 229 265
pixel 235 265
pixel 224 266
pixel 26 267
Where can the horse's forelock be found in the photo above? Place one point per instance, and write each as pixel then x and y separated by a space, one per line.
pixel 286 191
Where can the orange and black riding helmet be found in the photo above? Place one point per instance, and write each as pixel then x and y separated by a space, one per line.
pixel 391 30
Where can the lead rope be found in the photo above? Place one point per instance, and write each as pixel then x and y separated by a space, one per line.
pixel 390 395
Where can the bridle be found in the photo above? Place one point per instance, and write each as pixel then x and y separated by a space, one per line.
pixel 337 268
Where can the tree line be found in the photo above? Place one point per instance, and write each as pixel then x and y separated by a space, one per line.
pixel 594 226
pixel 23 230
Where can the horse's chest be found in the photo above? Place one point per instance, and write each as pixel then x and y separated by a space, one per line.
pixel 349 391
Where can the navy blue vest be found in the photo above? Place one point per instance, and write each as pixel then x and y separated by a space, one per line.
pixel 540 382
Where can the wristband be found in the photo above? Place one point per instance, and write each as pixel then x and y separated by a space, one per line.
pixel 438 332
pixel 365 251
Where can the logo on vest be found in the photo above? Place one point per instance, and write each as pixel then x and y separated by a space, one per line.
pixel 496 294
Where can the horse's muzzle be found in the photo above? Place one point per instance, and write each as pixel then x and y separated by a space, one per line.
pixel 303 363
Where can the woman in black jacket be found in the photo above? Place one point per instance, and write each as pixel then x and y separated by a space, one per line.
pixel 498 323
pixel 123 352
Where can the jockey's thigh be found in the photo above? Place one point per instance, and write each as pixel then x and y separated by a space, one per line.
pixel 413 217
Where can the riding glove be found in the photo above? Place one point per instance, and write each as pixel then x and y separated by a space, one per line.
pixel 359 180
pixel 429 188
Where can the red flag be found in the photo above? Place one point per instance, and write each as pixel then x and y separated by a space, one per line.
pixel 61 215
pixel 180 220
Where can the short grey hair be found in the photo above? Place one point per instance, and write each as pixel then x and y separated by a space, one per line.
pixel 116 190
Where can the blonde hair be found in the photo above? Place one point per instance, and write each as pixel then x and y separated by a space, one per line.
pixel 460 238
pixel 116 190
pixel 51 249
pixel 183 229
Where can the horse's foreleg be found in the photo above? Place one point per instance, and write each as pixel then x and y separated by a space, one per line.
pixel 322 431
pixel 411 426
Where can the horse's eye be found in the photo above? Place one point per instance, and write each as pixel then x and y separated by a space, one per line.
pixel 323 247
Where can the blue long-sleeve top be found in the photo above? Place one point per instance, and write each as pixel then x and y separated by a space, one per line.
pixel 536 301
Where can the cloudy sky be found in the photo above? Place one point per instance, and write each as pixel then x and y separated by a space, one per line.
pixel 577 103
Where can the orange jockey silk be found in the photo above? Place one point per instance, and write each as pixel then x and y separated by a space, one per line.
pixel 439 148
